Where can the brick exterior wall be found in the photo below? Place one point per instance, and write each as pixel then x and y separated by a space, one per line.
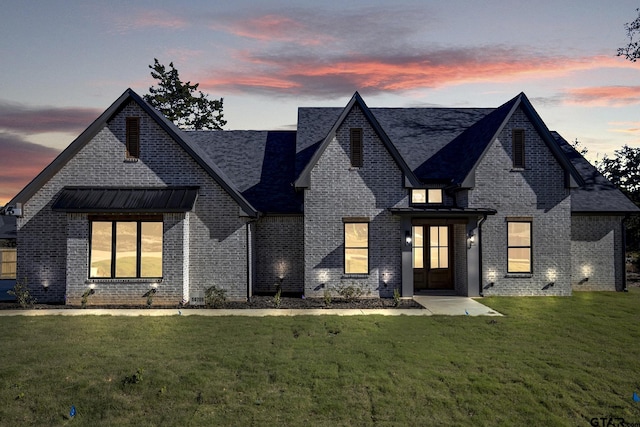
pixel 593 240
pixel 338 191
pixel 537 192
pixel 216 252
pixel 280 254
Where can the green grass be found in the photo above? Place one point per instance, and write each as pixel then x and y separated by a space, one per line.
pixel 550 361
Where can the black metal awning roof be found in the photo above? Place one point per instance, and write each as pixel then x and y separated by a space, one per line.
pixel 126 200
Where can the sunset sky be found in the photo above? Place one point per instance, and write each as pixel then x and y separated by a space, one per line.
pixel 64 62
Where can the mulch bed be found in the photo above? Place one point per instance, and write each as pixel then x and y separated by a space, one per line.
pixel 259 302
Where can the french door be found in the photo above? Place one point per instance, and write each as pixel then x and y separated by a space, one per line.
pixel 432 257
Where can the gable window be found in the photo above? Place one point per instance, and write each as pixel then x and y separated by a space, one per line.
pixel 126 248
pixel 356 247
pixel 518 148
pixel 8 261
pixel 357 158
pixel 519 246
pixel 133 137
pixel 422 195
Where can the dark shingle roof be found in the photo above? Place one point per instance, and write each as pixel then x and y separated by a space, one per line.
pixel 456 159
pixel 598 194
pixel 260 163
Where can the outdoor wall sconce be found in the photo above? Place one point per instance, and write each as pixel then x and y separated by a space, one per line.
pixel 407 238
pixel 45 286
pixel 154 287
pixel 583 281
pixel 471 239
pixel 548 285
pixel 489 285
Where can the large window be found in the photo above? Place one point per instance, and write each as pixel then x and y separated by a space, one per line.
pixel 8 263
pixel 519 246
pixel 356 247
pixel 126 248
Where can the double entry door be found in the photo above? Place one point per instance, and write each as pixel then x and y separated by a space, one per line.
pixel 432 249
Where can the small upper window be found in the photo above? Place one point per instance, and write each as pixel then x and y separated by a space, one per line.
pixel 422 195
pixel 434 195
pixel 133 137
pixel 518 148
pixel 357 158
pixel 418 195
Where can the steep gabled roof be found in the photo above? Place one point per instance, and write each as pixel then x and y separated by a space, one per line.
pixel 304 178
pixel 597 194
pixel 176 134
pixel 451 163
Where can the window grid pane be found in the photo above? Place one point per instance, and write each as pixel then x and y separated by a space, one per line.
pixel 435 195
pixel 8 262
pixel 126 249
pixel 151 249
pixel 419 196
pixel 101 238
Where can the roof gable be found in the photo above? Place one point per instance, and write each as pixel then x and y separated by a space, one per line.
pixel 304 178
pixel 449 165
pixel 176 134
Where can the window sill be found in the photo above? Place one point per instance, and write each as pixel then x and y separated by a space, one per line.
pixel 518 275
pixel 355 276
pixel 131 160
pixel 123 280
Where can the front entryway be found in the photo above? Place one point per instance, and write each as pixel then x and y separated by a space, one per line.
pixel 432 250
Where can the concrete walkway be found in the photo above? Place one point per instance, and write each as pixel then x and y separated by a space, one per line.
pixel 434 305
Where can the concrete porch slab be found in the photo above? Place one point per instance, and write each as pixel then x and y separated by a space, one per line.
pixel 454 306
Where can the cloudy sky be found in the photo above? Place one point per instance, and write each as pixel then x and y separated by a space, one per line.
pixel 64 62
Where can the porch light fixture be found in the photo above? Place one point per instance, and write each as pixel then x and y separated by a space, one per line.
pixel 45 286
pixel 471 239
pixel 407 238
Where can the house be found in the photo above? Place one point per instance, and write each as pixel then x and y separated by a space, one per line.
pixel 471 201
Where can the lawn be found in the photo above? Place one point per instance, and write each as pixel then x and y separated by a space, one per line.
pixel 550 361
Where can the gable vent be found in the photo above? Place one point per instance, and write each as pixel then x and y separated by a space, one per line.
pixel 518 148
pixel 356 147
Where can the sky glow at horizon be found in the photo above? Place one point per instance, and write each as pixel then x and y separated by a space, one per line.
pixel 64 63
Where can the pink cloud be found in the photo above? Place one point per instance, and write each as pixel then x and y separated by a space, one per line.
pixel 610 96
pixel 311 75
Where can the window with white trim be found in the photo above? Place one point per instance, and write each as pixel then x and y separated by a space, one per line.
pixel 356 248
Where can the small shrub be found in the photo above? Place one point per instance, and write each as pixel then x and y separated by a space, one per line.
pixel 351 292
pixel 215 297
pixel 85 296
pixel 396 297
pixel 150 294
pixel 21 292
pixel 327 297
pixel 277 299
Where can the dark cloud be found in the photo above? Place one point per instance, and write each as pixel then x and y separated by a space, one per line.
pixel 20 162
pixel 23 119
